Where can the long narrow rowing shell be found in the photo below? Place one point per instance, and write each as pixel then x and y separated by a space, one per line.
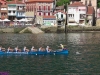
pixel 64 52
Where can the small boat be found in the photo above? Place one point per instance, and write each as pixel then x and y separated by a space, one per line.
pixel 64 52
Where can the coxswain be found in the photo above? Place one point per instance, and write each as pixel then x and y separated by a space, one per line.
pixel 62 46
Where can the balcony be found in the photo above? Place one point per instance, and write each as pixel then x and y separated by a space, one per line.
pixel 11 14
pixel 4 11
pixel 11 8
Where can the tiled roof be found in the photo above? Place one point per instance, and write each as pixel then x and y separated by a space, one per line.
pixel 62 11
pixel 14 2
pixel 49 17
pixel 60 7
pixel 77 4
pixel 90 10
pixel 39 1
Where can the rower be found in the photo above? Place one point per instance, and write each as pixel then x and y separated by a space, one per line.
pixel 48 49
pixel 2 49
pixel 40 49
pixel 24 48
pixel 8 50
pixel 16 49
pixel 32 49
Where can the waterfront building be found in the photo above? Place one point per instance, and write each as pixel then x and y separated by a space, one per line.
pixel 20 10
pixel 37 8
pixel 12 10
pixel 88 2
pixel 16 9
pixel 76 14
pixel 60 15
pixel 3 9
pixel 49 20
pixel 90 16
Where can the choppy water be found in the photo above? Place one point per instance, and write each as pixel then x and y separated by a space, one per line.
pixel 86 63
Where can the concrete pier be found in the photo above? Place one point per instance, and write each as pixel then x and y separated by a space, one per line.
pixel 34 30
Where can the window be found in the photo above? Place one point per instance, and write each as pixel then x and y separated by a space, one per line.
pixel 48 13
pixel 71 15
pixel 39 14
pixel 39 7
pixel 44 7
pixel 82 16
pixel 48 7
pixel 44 13
pixel 57 15
pixel 61 15
pixel 13 11
pixel 9 11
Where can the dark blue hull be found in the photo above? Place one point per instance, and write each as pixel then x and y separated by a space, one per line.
pixel 64 52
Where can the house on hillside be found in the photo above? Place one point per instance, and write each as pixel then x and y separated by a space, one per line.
pixel 76 14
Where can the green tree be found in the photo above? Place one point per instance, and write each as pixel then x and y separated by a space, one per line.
pixel 98 3
pixel 61 2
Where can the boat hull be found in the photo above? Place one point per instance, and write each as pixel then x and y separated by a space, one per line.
pixel 64 52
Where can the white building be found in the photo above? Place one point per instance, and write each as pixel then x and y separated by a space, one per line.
pixel 20 10
pixel 76 14
pixel 12 11
pixel 60 15
pixel 49 20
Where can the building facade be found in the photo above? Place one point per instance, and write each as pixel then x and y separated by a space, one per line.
pixel 88 2
pixel 76 14
pixel 20 10
pixel 60 15
pixel 3 9
pixel 39 8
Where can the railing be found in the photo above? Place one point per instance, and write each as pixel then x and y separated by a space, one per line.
pixel 11 13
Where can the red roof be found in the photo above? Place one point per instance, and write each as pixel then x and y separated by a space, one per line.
pixel 15 2
pixel 77 4
pixel 62 11
pixel 39 1
pixel 49 17
pixel 90 10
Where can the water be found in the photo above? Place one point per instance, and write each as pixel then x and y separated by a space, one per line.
pixel 86 63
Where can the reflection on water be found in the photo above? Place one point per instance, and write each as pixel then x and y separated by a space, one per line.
pixel 86 63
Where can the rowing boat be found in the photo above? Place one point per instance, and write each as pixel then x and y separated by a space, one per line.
pixel 64 52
